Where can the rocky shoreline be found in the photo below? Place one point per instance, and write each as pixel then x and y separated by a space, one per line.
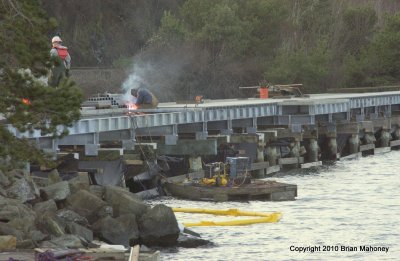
pixel 52 213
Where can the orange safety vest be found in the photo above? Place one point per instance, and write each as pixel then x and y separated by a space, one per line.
pixel 62 52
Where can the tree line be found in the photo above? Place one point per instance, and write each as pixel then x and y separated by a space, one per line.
pixel 322 44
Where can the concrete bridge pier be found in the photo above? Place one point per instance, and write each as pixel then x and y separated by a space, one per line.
pixel 395 143
pixel 396 134
pixel 367 137
pixel 260 156
pixel 332 148
pixel 384 139
pixel 267 155
pixel 295 158
pixel 272 155
pixel 354 143
pixel 294 149
pixel 311 154
pixel 312 150
pixel 368 144
pixel 382 134
pixel 328 145
pixel 348 133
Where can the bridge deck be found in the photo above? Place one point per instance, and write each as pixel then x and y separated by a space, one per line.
pixel 250 112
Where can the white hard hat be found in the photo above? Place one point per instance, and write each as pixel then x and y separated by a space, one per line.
pixel 56 39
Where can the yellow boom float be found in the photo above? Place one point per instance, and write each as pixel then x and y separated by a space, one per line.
pixel 264 217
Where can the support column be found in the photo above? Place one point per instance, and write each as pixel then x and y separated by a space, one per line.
pixel 369 138
pixel 93 149
pixel 347 136
pixel 312 150
pixel 384 139
pixel 228 130
pixel 329 147
pixel 173 138
pixel 260 173
pixel 202 135
pixel 295 149
pixel 129 144
pixel 354 143
pixel 396 138
pixel 332 148
pixel 272 155
pixel 396 134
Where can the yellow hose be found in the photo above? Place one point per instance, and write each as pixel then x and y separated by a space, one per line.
pixel 265 217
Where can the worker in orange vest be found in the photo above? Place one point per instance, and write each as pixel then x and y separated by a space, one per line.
pixel 61 62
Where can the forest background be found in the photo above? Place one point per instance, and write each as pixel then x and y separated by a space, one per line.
pixel 187 47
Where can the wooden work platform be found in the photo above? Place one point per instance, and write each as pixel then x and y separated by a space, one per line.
pixel 256 190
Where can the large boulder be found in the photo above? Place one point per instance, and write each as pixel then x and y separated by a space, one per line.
pixel 159 227
pixel 71 216
pixel 45 206
pixel 3 192
pixel 131 228
pixel 12 208
pixel 23 190
pixel 87 205
pixel 26 244
pixel 80 231
pixel 24 224
pixel 58 191
pixel 51 224
pixel 111 231
pixel 53 177
pixel 37 236
pixel 6 229
pixel 4 180
pixel 78 183
pixel 124 202
pixel 7 242
pixel 65 241
pixel 97 190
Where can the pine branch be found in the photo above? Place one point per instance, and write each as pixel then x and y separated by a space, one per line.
pixel 15 6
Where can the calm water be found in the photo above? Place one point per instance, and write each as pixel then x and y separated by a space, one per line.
pixel 350 203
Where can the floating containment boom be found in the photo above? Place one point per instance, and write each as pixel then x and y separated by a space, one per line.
pixel 264 217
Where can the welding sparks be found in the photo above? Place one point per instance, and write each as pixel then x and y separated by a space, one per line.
pixel 131 106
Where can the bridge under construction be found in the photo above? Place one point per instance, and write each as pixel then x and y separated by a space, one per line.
pixel 313 128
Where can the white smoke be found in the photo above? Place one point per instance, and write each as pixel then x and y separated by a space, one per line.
pixel 161 72
pixel 132 82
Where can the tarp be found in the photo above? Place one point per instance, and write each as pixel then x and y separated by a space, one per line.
pixel 104 172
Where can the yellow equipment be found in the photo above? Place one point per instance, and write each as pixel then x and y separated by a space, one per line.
pixel 222 181
pixel 220 177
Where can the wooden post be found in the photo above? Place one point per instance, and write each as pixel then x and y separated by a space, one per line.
pixel 134 255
